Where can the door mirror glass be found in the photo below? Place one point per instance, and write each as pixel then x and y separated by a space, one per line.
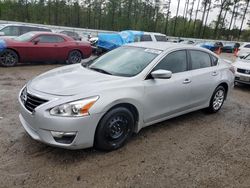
pixel 2 33
pixel 36 41
pixel 161 74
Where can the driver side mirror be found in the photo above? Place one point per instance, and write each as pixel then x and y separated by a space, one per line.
pixel 161 74
pixel 36 41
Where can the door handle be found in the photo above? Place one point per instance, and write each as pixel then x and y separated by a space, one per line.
pixel 186 81
pixel 215 73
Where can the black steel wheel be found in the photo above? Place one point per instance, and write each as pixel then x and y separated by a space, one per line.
pixel 8 58
pixel 74 57
pixel 114 129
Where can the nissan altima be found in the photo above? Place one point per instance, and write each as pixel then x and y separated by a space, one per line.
pixel 119 93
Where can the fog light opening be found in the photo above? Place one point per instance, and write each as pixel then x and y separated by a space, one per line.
pixel 63 137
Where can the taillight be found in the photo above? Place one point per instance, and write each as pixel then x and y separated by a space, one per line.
pixel 232 69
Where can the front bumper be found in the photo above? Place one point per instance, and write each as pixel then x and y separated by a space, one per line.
pixel 40 124
pixel 242 78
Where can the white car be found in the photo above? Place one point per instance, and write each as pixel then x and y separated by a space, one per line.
pixel 244 50
pixel 242 70
pixel 14 30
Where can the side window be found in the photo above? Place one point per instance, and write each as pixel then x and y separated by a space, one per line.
pixel 214 60
pixel 11 31
pixel 199 59
pixel 146 38
pixel 174 62
pixel 161 38
pixel 247 46
pixel 25 29
pixel 50 39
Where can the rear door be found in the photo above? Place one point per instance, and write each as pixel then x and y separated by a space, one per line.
pixel 166 97
pixel 47 49
pixel 204 75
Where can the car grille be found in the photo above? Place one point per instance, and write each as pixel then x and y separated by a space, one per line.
pixel 30 101
pixel 244 71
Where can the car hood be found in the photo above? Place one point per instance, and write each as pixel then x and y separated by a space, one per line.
pixel 243 64
pixel 72 80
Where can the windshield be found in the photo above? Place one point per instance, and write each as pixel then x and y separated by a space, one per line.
pixel 1 26
pixel 25 37
pixel 125 61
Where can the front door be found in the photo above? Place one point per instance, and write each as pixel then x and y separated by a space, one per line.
pixel 166 97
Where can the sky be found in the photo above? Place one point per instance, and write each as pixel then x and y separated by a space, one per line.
pixel 212 15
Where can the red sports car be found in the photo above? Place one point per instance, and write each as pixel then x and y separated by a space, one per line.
pixel 42 47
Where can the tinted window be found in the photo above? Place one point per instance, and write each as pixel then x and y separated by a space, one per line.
pixel 11 31
pixel 175 62
pixel 214 60
pixel 50 39
pixel 247 46
pixel 25 29
pixel 161 38
pixel 71 34
pixel 199 59
pixel 146 38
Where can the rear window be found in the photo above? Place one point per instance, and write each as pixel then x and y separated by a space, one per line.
pixel 161 38
pixel 146 38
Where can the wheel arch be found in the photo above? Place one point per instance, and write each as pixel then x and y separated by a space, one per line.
pixel 19 57
pixel 225 85
pixel 75 49
pixel 131 107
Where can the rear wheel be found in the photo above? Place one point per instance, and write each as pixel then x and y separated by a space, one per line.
pixel 114 129
pixel 8 58
pixel 217 99
pixel 74 57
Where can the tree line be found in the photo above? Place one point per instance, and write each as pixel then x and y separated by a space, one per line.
pixel 146 15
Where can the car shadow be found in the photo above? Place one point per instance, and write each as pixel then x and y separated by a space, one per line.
pixel 242 87
pixel 53 154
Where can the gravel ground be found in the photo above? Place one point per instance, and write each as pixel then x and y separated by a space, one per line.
pixel 193 150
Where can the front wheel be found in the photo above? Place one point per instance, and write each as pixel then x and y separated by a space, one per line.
pixel 114 129
pixel 217 99
pixel 8 58
pixel 74 57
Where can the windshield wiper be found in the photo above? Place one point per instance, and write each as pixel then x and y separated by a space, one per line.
pixel 100 70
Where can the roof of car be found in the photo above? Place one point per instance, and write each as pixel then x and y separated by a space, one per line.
pixel 167 45
pixel 157 45
pixel 4 25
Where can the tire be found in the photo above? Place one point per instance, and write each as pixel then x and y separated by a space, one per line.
pixel 114 129
pixel 8 58
pixel 74 57
pixel 217 99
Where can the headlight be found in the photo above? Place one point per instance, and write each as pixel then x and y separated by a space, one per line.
pixel 75 108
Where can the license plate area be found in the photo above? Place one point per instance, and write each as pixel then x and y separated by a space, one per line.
pixel 245 79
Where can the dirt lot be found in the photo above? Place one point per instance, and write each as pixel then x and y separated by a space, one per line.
pixel 194 150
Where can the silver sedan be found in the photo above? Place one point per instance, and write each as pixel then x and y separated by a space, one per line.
pixel 121 92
